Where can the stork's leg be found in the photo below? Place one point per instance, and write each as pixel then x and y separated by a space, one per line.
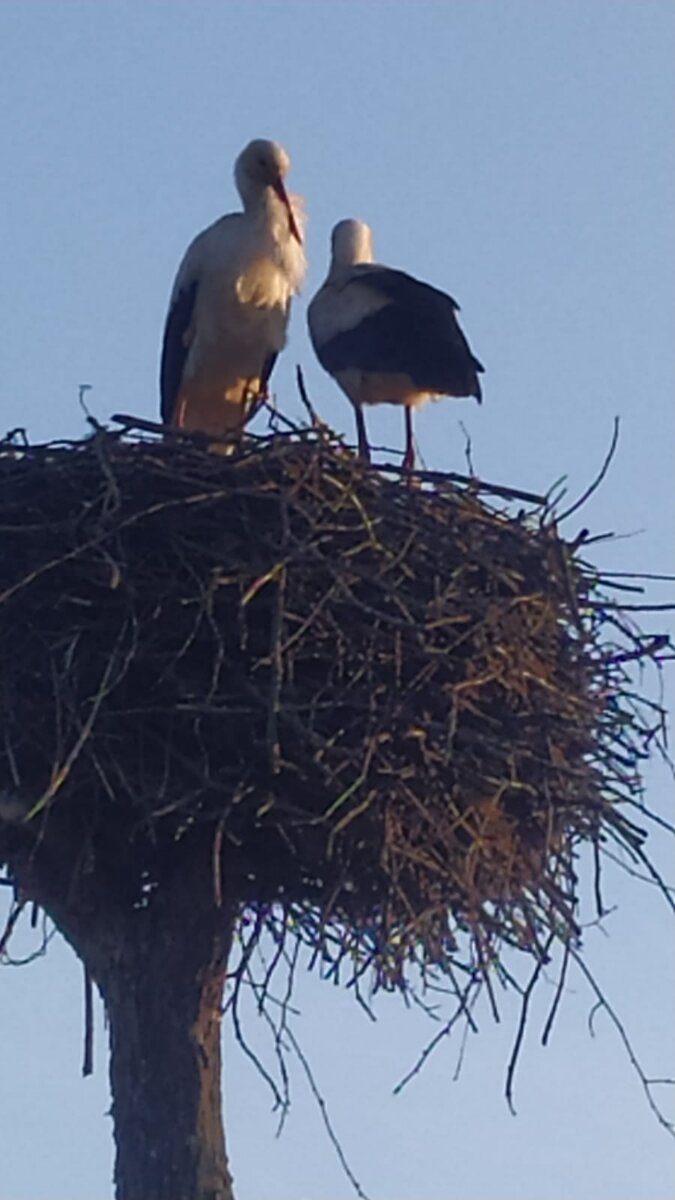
pixel 364 448
pixel 409 456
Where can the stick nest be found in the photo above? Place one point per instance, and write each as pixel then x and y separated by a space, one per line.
pixel 398 712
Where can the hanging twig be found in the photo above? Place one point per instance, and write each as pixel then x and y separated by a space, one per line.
pixel 522 1025
pixel 88 1054
pixel 647 1084
pixel 12 918
pixel 325 1115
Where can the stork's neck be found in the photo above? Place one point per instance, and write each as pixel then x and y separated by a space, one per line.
pixel 265 210
pixel 352 244
pixel 270 235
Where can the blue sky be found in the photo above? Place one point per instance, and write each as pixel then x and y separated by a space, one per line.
pixel 519 155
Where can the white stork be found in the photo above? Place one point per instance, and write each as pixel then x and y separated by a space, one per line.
pixel 231 301
pixel 385 337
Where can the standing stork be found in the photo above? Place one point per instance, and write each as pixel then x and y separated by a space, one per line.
pixel 231 301
pixel 385 337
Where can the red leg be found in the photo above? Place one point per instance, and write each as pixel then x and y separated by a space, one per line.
pixel 409 456
pixel 364 448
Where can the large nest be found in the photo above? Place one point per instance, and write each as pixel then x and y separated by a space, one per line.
pixel 398 711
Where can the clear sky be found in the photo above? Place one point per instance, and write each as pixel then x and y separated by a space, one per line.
pixel 521 156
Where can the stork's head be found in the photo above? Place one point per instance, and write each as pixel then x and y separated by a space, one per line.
pixel 261 165
pixel 352 242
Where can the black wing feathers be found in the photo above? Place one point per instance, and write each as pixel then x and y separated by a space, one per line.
pixel 174 349
pixel 408 292
pixel 416 335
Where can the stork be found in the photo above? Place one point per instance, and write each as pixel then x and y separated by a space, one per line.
pixel 231 301
pixel 385 337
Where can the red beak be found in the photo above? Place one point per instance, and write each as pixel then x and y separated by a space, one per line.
pixel 292 223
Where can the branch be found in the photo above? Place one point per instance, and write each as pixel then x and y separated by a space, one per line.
pixel 593 487
pixel 647 1084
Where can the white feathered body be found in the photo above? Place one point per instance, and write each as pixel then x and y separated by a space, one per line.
pixel 245 269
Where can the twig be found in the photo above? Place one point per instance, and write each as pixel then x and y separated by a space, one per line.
pixel 170 432
pixel 88 1054
pixel 13 916
pixel 60 772
pixel 321 1103
pixel 522 1024
pixel 477 485
pixel 593 487
pixel 638 575
pixel 647 1084
pixel 465 1004
pixel 560 986
pixel 467 448
pixel 314 417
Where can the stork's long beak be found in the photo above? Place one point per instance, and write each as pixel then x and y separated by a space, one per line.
pixel 283 196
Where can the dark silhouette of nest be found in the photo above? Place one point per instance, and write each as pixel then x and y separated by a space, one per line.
pixel 399 712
